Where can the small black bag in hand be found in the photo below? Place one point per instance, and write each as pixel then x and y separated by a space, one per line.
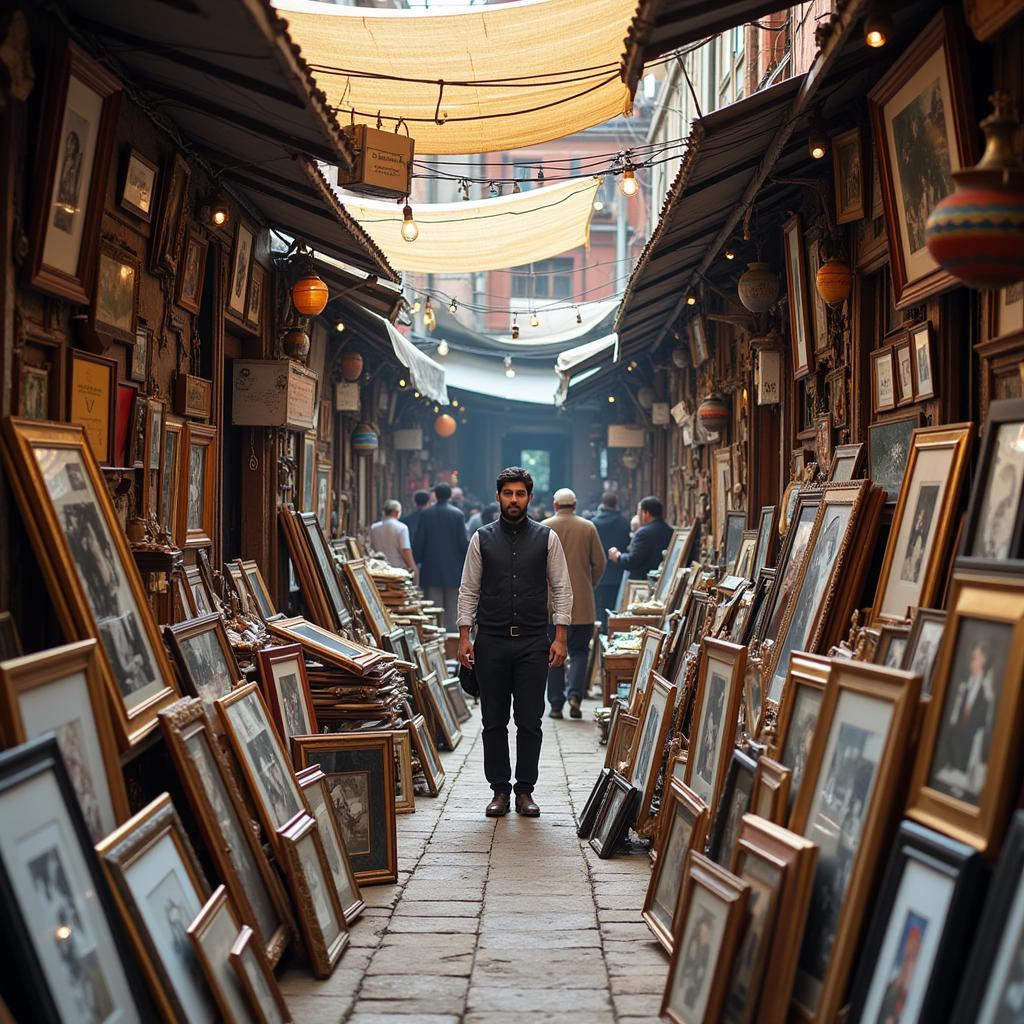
pixel 468 680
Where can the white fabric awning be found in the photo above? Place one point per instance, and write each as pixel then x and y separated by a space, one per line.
pixel 488 234
pixel 501 77
pixel 486 376
pixel 574 357
pixel 428 376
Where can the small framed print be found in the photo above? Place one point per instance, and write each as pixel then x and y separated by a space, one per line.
pixel 116 300
pixel 258 979
pixel 891 646
pixel 241 264
pixel 889 446
pixel 138 368
pixel 883 381
pixel 923 646
pixel 193 272
pixel 258 589
pixel 92 402
pixel 588 817
pixel 286 689
pixel 655 719
pixel 426 753
pixel 649 659
pixel 257 291
pixel 165 250
pixel 618 809
pixel 800 328
pixel 770 796
pixel 193 396
pixel 848 166
pixel 199 448
pixel 835 384
pixel 848 463
pixel 922 364
pixel 204 658
pixel 903 357
pixel 698 332
pixel 735 802
pixel 34 391
pixel 170 478
pixel 138 188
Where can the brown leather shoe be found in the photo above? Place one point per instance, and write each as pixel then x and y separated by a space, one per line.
pixel 526 807
pixel 498 807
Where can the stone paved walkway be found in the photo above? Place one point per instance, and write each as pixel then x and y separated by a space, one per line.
pixel 498 921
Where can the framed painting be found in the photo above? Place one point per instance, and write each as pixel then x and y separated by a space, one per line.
pixel 198 488
pixel 324 503
pixel 138 186
pixel 675 556
pixel 286 690
pixel 189 294
pixel 347 654
pixel 35 391
pixel 204 658
pixel 922 361
pixel 152 454
pixel 138 369
pixel 835 385
pixel 426 753
pixel 769 798
pixel 618 809
pixel 849 177
pixel 745 556
pixel 721 492
pixel 648 660
pixel 258 589
pixel 240 266
pixel 366 592
pixel 254 302
pixel 257 979
pixel 88 567
pixel 76 139
pixel 848 463
pixel 170 478
pixel 735 524
pixel 649 741
pixel 765 540
pixel 734 804
pixel 405 797
pixel 165 247
pixel 92 402
pixel 923 644
pixel 889 445
pixel 60 918
pixel 115 305
pixel 903 357
pixel 924 130
pixel 883 381
pixel 307 472
pixel 800 327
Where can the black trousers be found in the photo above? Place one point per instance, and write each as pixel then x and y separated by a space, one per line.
pixel 512 672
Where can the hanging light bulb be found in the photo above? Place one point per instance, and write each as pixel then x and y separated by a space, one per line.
pixel 730 254
pixel 415 394
pixel 216 211
pixel 494 190
pixel 877 28
pixel 453 306
pixel 534 320
pixel 817 139
pixel 515 188
pixel 515 328
pixel 410 231
pixel 416 306
pixel 691 300
pixel 509 372
pixel 442 349
pixel 628 185
pixel 579 315
pixel 611 399
pixel 340 326
pixel 429 317
pixel 402 382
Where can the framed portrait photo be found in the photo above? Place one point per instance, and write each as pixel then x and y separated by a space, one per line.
pixel 204 658
pixel 849 175
pixel 367 594
pixel 286 689
pixel 241 264
pixel 883 380
pixel 923 124
pixel 765 540
pixel 618 809
pixel 903 357
pixel 257 979
pixel 170 477
pixel 258 589
pixel 923 644
pixel 190 280
pixel 735 802
pixel 648 660
pixel 891 646
pixel 138 187
pixel 198 484
pixel 922 361
pixel 649 741
pixel 735 524
pixel 800 326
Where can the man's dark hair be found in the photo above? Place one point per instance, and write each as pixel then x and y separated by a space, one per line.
pixel 421 498
pixel 514 475
pixel 652 506
pixel 442 491
pixel 610 499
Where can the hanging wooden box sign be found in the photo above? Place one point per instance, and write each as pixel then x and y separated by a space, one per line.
pixel 409 439
pixel 193 396
pixel 273 393
pixel 346 396
pixel 660 414
pixel 383 165
pixel 769 374
pixel 624 435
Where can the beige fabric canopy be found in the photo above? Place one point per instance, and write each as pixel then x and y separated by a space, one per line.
pixel 541 69
pixel 489 234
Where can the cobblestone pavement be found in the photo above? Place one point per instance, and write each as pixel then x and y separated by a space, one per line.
pixel 498 921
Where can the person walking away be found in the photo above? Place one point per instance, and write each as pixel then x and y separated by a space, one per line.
pixel 420 500
pixel 648 543
pixel 613 529
pixel 439 550
pixel 511 566
pixel 584 555
pixel 390 536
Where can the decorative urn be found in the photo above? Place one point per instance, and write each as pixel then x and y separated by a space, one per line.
pixel 295 343
pixel 834 281
pixel 351 366
pixel 713 413
pixel 758 287
pixel 364 439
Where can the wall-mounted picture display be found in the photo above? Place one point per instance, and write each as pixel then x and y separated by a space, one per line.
pixel 922 361
pixel 116 299
pixel 734 803
pixel 683 827
pixel 924 522
pixel 257 979
pixel 883 380
pixel 92 402
pixel 204 658
pixel 241 263
pixel 765 540
pixel 617 810
pixel 88 568
pixel 649 742
pixel 903 357
pixel 265 765
pixel 165 250
pixel 82 100
pixel 315 788
pixel 798 299
pixel 34 393
pixel 160 889
pixel 923 123
pixel 138 188
pixel 59 915
pixel 193 272
pixel 360 770
pixel 966 766
pixel 848 463
pixel 138 364
pixel 708 928
pixel 199 483
pixel 735 524
pixel 715 714
pixel 286 689
pixel 848 170
pixel 257 291
pixel 889 445
pixel 61 691
pixel 853 777
pixel 223 821
pixel 649 660
pixel 769 798
pixel 426 753
pixel 321 916
pixel 921 929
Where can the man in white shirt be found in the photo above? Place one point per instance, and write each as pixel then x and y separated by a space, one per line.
pixel 390 536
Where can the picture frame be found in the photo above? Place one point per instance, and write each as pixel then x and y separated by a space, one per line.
pixel 800 327
pixel 239 268
pixel 138 185
pixel 193 396
pixel 456 698
pixel 165 245
pixel 735 524
pixel 10 642
pixel 769 798
pixel 307 473
pixel 258 589
pixel 891 646
pixel 255 301
pixel 889 444
pixel 618 809
pixel 313 784
pixel 715 714
pixel 697 332
pixel 676 554
pixel 138 362
pixel 929 75
pixel 170 478
pixel 324 501
pixel 160 889
pixel 652 641
pixel 234 584
pixel 923 645
pixel 224 825
pixel 266 768
pixel 733 805
pixel 620 741
pixel 360 771
pixel 115 304
pixel 88 568
pixel 199 484
pixel 765 539
pixel 874 710
pixel 190 282
pixel 257 979
pixel 325 421
pixel 426 754
pixel 921 929
pixel 965 772
pixel 152 454
pixel 924 522
pixel 202 600
pixel 745 556
pixel 92 401
pixel 648 746
pixel 721 490
pixel 366 593
pixel 405 796
pixel 683 827
pixel 317 570
pixel 61 690
pixel 76 138
pixel 922 360
pixel 35 391
pixel 588 816
pixel 819 310
pixel 45 839
pixel 835 386
pixel 708 927
pixel 286 690
pixel 206 664
pixel 346 654
pixel 849 175
pixel 903 359
pixel 753 698
pixel 321 917
pixel 883 380
pixel 848 463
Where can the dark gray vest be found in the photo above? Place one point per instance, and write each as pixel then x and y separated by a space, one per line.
pixel 513 577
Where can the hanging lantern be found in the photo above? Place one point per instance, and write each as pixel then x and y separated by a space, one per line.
pixel 351 365
pixel 758 287
pixel 977 233
pixel 445 425
pixel 309 293
pixel 295 343
pixel 713 413
pixel 629 460
pixel 834 281
pixel 680 357
pixel 365 440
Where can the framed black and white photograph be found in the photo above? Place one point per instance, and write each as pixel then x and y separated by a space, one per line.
pixel 923 363
pixel 286 688
pixel 206 664
pixel 923 643
pixel 618 809
pixel 648 744
pixel 588 817
pixel 138 189
pixel 241 264
pixel 734 803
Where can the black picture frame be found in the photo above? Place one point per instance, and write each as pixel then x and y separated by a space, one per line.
pixel 965 867
pixel 31 998
pixel 739 781
pixel 588 818
pixel 618 809
pixel 883 437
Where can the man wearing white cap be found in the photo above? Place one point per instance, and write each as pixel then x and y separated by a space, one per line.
pixel 585 557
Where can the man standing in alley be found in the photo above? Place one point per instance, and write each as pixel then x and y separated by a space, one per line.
pixel 439 549
pixel 511 567
pixel 584 554
pixel 390 536
pixel 648 543
pixel 613 529
pixel 420 500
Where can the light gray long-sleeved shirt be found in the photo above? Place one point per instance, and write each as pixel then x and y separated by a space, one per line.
pixel 559 587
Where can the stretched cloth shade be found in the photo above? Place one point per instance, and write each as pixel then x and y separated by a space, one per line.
pixel 551 68
pixel 489 234
pixel 427 375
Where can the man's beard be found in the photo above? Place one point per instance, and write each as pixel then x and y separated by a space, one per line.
pixel 512 512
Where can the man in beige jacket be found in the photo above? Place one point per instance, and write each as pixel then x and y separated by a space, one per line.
pixel 585 556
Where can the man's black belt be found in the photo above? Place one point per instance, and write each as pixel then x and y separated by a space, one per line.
pixel 512 631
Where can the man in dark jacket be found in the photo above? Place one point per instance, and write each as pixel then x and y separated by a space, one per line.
pixel 613 530
pixel 420 500
pixel 440 549
pixel 648 543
